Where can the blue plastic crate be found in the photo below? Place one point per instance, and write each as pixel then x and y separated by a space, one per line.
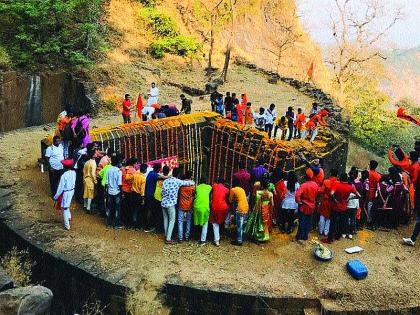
pixel 357 269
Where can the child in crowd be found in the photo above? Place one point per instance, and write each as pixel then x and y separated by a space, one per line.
pixel 185 207
pixel 202 208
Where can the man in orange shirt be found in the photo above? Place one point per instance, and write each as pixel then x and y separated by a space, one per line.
pixel 249 115
pixel 138 188
pixel 185 208
pixel 299 123
pixel 374 178
pixel 128 201
pixel 306 199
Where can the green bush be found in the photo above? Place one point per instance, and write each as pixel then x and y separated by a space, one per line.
pixel 161 24
pixel 375 126
pixel 178 45
pixel 5 62
pixel 45 32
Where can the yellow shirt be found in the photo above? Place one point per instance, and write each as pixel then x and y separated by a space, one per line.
pixel 280 124
pixel 238 195
pixel 89 170
pixel 139 182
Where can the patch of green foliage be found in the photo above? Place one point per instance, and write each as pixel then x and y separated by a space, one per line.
pixel 5 62
pixel 178 45
pixel 168 38
pixel 374 123
pixel 52 33
pixel 161 24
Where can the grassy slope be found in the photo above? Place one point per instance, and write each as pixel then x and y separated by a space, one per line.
pixel 128 67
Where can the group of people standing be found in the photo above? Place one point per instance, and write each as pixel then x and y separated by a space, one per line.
pixel 291 125
pixel 153 109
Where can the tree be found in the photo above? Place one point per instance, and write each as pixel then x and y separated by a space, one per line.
pixel 52 32
pixel 357 27
pixel 212 13
pixel 231 11
pixel 283 34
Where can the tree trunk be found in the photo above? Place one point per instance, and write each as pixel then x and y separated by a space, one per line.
pixel 227 61
pixel 210 66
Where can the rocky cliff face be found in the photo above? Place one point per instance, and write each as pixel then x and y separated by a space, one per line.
pixel 30 100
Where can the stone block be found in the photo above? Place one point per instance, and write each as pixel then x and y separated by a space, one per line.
pixel 31 300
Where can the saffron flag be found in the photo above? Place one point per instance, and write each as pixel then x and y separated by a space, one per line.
pixel 401 113
pixel 311 71
pixel 139 106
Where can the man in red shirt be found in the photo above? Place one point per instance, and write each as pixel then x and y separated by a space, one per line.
pixel 306 199
pixel 126 109
pixel 374 178
pixel 340 194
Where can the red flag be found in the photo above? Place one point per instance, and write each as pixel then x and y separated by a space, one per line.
pixel 311 71
pixel 401 113
pixel 139 106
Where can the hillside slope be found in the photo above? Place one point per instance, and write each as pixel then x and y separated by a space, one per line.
pixel 403 72
pixel 129 68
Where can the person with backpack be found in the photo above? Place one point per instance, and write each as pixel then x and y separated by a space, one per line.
pixel 270 116
pixel 260 120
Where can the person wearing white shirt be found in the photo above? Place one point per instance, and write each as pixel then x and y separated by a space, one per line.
pixel 270 116
pixel 148 112
pixel 260 120
pixel 153 95
pixel 65 191
pixel 54 155
pixel 289 205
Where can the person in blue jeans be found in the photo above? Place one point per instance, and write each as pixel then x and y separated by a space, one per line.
pixel 113 184
pixel 237 196
pixel 185 206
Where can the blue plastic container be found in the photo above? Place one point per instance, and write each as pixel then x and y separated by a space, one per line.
pixel 357 269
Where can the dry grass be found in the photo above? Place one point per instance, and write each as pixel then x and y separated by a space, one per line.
pixel 145 301
pixel 93 307
pixel 360 158
pixel 18 266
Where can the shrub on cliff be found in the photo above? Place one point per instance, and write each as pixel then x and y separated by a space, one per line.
pixel 168 40
pixel 52 32
pixel 5 62
pixel 18 266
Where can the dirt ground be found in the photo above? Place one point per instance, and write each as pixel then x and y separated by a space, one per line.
pixel 143 262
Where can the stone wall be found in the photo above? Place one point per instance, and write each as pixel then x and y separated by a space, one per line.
pixel 29 100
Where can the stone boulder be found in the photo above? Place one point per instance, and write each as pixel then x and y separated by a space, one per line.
pixel 31 300
pixel 6 282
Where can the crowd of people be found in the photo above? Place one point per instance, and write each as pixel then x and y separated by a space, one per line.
pixel 291 125
pixel 152 109
pixel 137 196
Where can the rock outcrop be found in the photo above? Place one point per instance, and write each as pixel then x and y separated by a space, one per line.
pixel 31 300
